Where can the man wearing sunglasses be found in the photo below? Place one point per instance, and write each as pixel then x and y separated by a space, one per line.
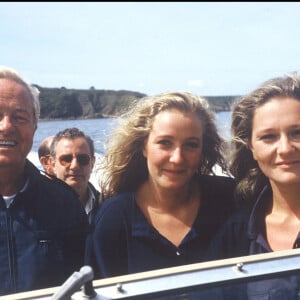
pixel 73 158
pixel 43 226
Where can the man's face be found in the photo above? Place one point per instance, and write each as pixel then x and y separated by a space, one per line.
pixel 17 123
pixel 73 162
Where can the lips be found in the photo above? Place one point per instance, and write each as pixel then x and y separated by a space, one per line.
pixel 175 171
pixel 74 176
pixel 287 163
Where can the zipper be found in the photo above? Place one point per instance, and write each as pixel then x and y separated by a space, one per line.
pixel 11 251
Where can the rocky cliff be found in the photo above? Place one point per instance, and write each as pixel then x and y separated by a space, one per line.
pixel 62 103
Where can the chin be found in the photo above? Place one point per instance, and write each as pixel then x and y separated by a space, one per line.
pixel 174 185
pixel 7 161
pixel 288 180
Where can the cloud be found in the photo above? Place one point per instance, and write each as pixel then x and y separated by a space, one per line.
pixel 195 82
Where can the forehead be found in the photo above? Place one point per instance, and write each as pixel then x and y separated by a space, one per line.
pixel 177 121
pixel 12 90
pixel 78 144
pixel 277 112
pixel 275 105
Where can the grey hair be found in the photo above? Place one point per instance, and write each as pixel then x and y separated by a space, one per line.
pixel 11 74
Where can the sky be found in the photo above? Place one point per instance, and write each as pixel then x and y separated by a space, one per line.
pixel 208 48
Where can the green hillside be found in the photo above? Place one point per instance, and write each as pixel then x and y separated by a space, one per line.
pixel 62 103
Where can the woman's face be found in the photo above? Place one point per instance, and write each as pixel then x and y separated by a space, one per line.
pixel 173 149
pixel 275 141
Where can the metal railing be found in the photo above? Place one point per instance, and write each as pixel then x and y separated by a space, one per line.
pixel 170 281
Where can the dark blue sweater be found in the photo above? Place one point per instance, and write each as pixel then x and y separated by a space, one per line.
pixel 124 242
pixel 42 235
pixel 243 234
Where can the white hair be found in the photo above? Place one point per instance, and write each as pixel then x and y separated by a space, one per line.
pixel 9 73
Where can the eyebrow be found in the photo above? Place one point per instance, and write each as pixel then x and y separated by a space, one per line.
pixel 22 110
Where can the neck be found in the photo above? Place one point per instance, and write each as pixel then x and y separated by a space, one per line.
pixel 11 181
pixel 166 199
pixel 286 199
pixel 84 196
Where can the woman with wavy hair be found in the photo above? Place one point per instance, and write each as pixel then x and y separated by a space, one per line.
pixel 163 202
pixel 266 165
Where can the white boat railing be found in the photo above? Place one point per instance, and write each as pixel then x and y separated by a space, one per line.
pixel 170 281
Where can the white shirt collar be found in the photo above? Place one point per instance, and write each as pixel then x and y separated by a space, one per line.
pixel 90 202
pixel 9 199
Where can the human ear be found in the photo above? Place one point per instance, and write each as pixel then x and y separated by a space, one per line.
pixel 44 160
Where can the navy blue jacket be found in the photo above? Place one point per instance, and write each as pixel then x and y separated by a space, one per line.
pixel 96 194
pixel 245 234
pixel 42 235
pixel 124 242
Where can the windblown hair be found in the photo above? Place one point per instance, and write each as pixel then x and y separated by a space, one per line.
pixel 71 134
pixel 11 74
pixel 250 179
pixel 124 168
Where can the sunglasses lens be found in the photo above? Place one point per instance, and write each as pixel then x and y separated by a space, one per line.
pixel 65 159
pixel 83 159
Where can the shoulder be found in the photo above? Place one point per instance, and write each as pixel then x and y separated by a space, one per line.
pixel 53 202
pixel 240 217
pixel 118 202
pixel 218 194
pixel 115 210
pixel 232 238
pixel 52 193
pixel 236 225
pixel 46 184
pixel 55 187
pixel 222 181
pixel 217 186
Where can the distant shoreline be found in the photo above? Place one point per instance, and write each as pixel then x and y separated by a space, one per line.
pixel 103 117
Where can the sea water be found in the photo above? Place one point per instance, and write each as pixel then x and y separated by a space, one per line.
pixel 98 130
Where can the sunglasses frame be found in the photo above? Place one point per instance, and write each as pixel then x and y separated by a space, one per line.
pixel 82 159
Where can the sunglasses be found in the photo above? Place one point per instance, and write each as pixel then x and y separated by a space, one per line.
pixel 82 159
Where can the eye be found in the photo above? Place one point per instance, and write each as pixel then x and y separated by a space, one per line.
pixel 192 145
pixel 295 134
pixel 267 137
pixel 164 142
pixel 20 118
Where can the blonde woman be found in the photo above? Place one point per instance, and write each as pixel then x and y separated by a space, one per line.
pixel 163 203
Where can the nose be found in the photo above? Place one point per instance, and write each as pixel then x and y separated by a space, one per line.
pixel 5 123
pixel 74 163
pixel 176 155
pixel 285 145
